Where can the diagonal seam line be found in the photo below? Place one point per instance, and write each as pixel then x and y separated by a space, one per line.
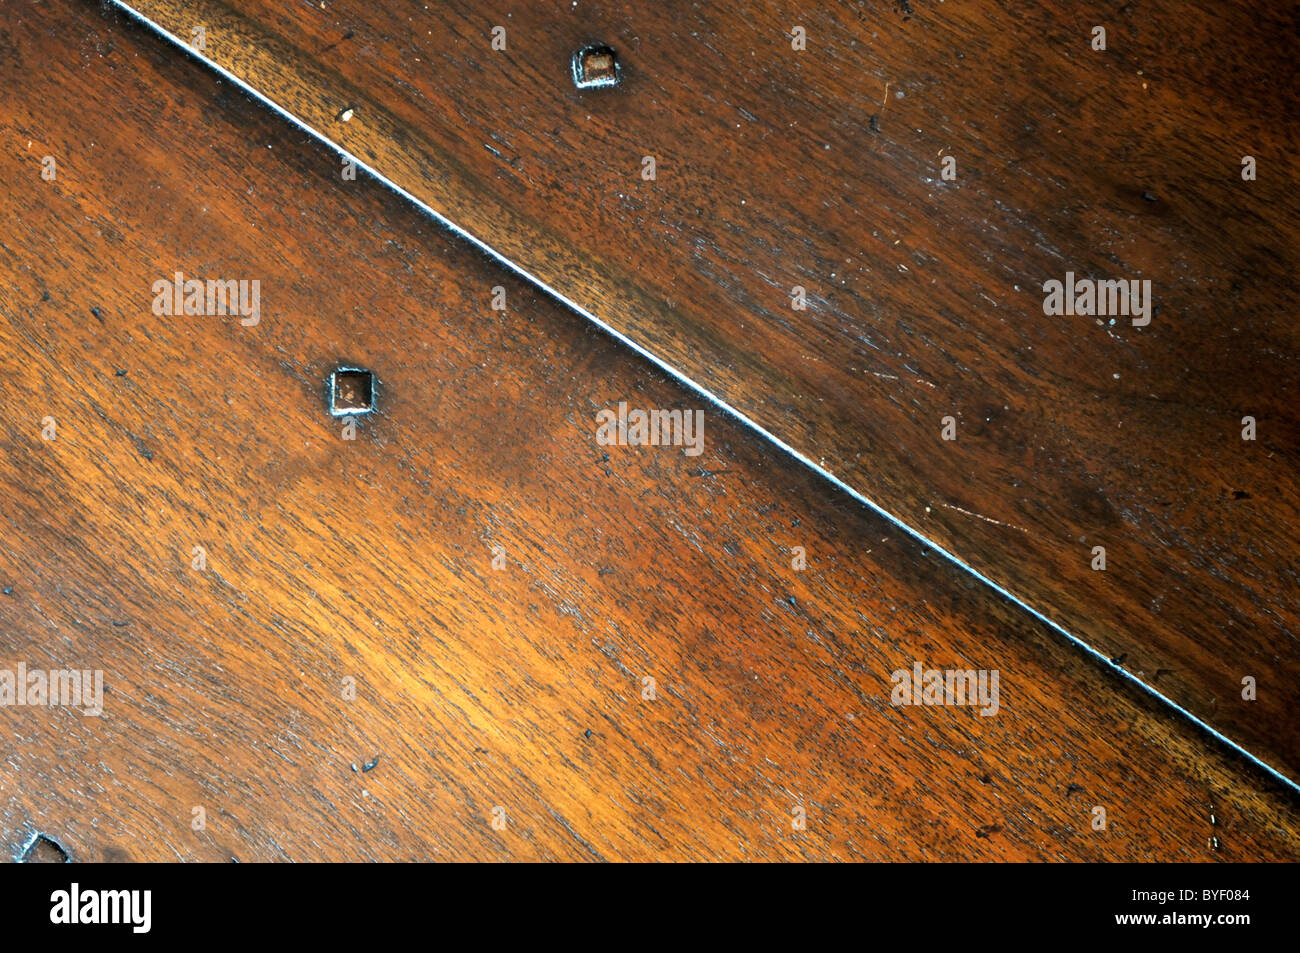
pixel 702 391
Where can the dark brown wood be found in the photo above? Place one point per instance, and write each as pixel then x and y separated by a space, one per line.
pixel 520 688
pixel 823 169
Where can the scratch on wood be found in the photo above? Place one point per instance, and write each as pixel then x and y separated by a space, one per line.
pixel 987 519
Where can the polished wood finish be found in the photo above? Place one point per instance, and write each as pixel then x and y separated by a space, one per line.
pixel 520 688
pixel 823 169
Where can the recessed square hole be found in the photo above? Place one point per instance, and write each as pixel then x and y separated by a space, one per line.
pixel 352 392
pixel 595 66
pixel 44 850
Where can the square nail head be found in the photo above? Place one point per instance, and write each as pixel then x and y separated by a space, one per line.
pixel 595 66
pixel 352 392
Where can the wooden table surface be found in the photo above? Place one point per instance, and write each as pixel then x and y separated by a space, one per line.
pixel 822 169
pixel 562 650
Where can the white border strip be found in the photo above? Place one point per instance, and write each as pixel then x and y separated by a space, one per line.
pixel 702 391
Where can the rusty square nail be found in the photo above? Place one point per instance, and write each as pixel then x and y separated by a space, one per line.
pixel 595 66
pixel 352 392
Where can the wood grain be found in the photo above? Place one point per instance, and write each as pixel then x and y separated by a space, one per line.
pixel 822 169
pixel 520 688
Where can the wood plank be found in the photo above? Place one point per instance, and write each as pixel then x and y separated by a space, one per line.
pixel 520 688
pixel 822 169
